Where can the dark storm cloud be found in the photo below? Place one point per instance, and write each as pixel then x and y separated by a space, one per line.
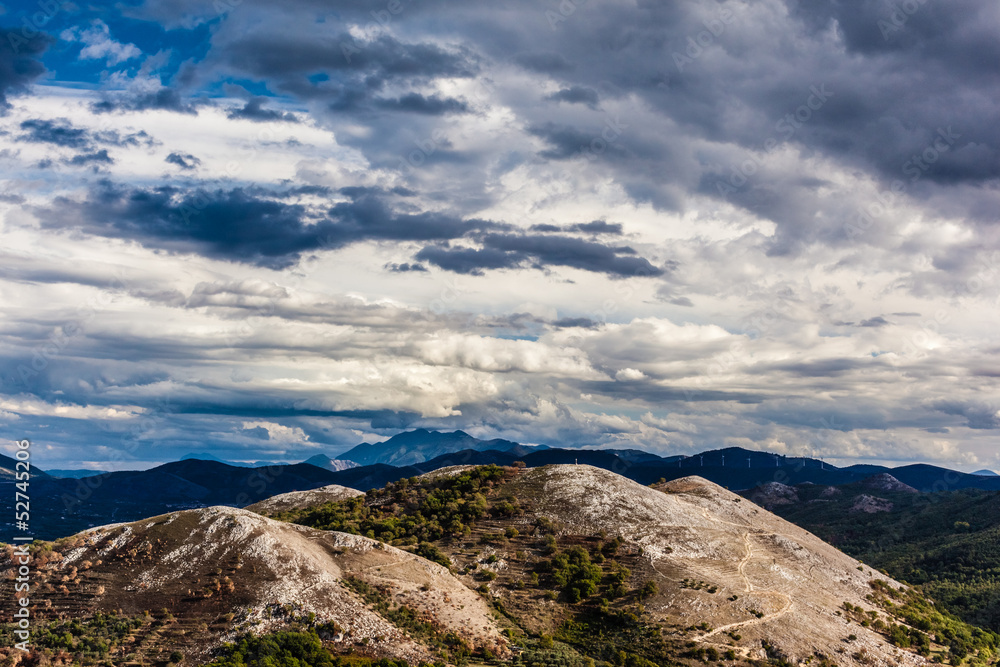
pixel 253 226
pixel 655 393
pixel 368 217
pixel 571 322
pixel 406 268
pixel 183 160
pixel 468 260
pixel 577 95
pixel 977 415
pixel 96 157
pixel 225 225
pixel 599 227
pixel 594 227
pixel 568 142
pixel 432 105
pixel 165 99
pixel 254 110
pixel 545 62
pixel 823 368
pixel 353 72
pixel 19 63
pixel 510 251
pixel 276 409
pixel 58 132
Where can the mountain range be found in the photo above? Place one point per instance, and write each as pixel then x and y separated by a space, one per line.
pixel 76 504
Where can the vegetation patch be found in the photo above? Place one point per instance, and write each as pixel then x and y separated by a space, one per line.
pixel 924 623
pixel 417 511
pixel 88 641
pixel 947 543
pixel 291 649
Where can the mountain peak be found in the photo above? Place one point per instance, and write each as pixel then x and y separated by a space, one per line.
pixel 420 445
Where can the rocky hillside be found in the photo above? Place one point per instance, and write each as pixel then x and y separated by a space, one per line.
pixel 680 572
pixel 761 578
pixel 192 579
pixel 561 566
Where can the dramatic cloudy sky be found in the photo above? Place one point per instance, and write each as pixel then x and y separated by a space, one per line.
pixel 269 230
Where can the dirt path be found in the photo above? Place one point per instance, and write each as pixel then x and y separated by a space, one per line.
pixel 748 587
pixel 392 564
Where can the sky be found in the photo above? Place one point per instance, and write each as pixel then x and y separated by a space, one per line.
pixel 269 231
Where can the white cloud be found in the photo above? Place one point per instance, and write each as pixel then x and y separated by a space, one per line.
pixel 626 374
pixel 278 433
pixel 100 45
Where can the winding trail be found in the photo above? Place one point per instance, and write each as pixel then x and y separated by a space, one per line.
pixel 748 587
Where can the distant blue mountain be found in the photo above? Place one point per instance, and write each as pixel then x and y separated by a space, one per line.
pixel 986 473
pixel 413 447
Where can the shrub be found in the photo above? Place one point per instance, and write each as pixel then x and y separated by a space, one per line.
pixel 649 589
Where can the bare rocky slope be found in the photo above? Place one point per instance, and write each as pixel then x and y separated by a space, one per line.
pixel 707 572
pixel 218 572
pixel 776 584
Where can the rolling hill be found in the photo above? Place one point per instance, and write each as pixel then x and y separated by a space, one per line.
pixel 186 581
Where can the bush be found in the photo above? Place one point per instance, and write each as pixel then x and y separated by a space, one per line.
pixel 649 589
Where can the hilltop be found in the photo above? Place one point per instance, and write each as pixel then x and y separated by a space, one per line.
pixel 187 581
pixel 300 499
